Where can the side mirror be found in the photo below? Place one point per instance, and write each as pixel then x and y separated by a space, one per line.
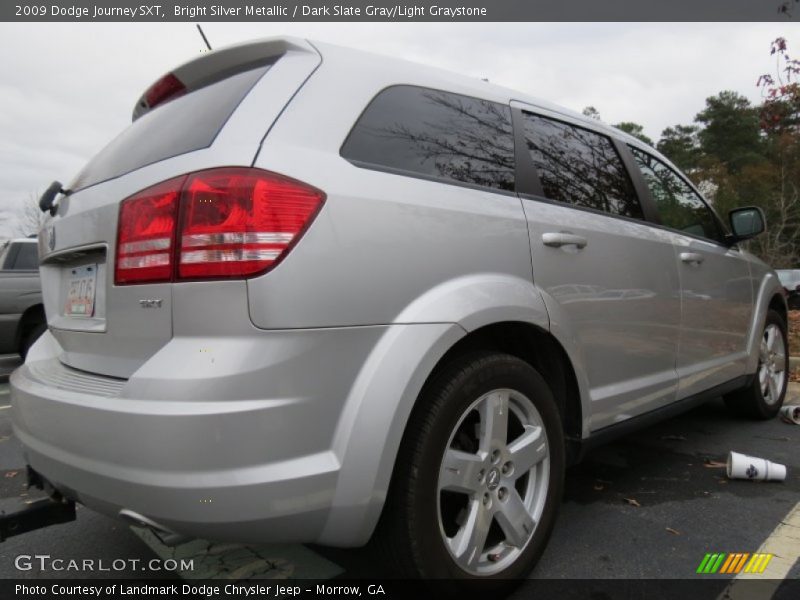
pixel 747 222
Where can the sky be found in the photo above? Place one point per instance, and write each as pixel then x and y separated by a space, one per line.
pixel 66 89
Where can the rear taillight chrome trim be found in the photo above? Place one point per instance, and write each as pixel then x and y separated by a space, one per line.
pixel 146 245
pixel 226 223
pixel 214 239
pixel 211 256
pixel 144 261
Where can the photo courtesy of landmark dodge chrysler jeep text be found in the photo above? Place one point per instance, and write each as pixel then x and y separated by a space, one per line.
pixel 348 298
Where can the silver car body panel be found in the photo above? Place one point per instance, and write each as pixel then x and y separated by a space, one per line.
pixel 717 314
pixel 123 335
pixel 273 408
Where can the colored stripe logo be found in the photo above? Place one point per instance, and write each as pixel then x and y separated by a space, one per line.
pixel 734 563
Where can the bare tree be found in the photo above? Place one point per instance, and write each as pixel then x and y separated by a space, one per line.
pixel 30 218
pixel 22 218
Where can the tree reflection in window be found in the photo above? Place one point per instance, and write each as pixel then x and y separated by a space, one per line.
pixel 679 206
pixel 436 134
pixel 580 167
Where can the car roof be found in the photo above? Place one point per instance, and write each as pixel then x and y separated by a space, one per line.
pixel 405 72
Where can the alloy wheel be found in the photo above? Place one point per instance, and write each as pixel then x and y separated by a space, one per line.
pixel 493 482
pixel 772 364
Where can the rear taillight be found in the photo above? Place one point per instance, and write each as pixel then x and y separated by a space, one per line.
pixel 146 234
pixel 237 222
pixel 221 223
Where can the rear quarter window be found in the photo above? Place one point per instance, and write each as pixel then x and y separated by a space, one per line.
pixel 186 124
pixel 437 135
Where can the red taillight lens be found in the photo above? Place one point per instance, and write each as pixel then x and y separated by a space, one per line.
pixel 167 88
pixel 146 234
pixel 238 222
pixel 235 222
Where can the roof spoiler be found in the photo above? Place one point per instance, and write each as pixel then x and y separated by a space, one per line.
pixel 215 66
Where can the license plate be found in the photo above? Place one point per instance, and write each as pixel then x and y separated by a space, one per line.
pixel 81 285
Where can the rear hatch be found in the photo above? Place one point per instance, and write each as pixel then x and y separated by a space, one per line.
pixel 209 113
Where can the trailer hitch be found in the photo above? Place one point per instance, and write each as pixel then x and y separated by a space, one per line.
pixel 17 518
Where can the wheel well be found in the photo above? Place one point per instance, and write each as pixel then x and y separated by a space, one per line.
pixel 778 304
pixel 30 318
pixel 539 349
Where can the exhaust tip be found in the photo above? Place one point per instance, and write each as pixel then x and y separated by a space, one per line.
pixel 165 535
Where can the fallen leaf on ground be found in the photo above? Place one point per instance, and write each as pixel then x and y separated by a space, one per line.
pixel 10 474
pixel 633 502
pixel 714 464
pixel 673 531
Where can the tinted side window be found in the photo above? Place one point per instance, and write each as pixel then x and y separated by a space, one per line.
pixel 27 258
pixel 580 167
pixel 436 134
pixel 679 206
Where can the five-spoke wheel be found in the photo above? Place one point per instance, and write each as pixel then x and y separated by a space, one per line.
pixel 772 364
pixel 479 474
pixel 493 481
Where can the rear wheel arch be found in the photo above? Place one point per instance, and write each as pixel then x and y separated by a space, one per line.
pixel 778 304
pixel 371 474
pixel 541 350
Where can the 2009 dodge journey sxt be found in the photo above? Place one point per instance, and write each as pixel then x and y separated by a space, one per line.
pixel 315 295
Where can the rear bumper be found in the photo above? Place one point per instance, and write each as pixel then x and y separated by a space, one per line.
pixel 226 439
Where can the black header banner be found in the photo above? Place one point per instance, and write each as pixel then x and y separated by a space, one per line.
pixel 409 10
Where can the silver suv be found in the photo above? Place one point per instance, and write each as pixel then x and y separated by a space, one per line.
pixel 316 295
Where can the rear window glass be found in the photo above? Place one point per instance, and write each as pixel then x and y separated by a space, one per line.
pixel 188 123
pixel 434 134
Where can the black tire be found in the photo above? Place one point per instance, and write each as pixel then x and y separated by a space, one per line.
pixel 409 534
pixel 30 336
pixel 750 401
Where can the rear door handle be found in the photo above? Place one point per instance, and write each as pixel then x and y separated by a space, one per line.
pixel 563 238
pixel 692 258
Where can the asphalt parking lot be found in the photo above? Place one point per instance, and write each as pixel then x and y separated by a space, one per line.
pixel 648 506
